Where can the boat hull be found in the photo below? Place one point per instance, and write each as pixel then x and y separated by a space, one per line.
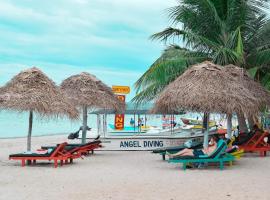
pixel 143 143
pixel 133 141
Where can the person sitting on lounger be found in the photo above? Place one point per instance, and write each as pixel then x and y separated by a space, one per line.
pixel 245 137
pixel 197 152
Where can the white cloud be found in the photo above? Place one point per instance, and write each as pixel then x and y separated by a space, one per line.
pixel 71 14
pixel 59 72
pixel 109 38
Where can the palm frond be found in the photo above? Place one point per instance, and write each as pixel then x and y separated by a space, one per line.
pixel 253 71
pixel 223 31
pixel 148 94
pixel 266 80
pixel 261 57
pixel 173 62
pixel 167 34
pixel 199 16
pixel 173 54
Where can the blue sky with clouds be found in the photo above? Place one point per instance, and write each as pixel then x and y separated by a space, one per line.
pixel 108 38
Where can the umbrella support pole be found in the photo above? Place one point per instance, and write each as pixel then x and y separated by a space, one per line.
pixel 103 122
pixel 105 125
pixel 206 130
pixel 98 124
pixel 84 124
pixel 134 122
pixel 145 120
pixel 229 125
pixel 30 130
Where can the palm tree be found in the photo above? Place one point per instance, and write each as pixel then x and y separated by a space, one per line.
pixel 223 31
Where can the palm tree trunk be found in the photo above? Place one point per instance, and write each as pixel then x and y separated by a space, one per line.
pixel 206 129
pixel 30 130
pixel 229 125
pixel 242 123
pixel 84 124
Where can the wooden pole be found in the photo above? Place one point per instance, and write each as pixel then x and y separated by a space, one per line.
pixel 105 124
pixel 98 124
pixel 206 129
pixel 170 121
pixel 139 123
pixel 174 122
pixel 30 130
pixel 229 125
pixel 84 124
pixel 145 120
pixel 134 122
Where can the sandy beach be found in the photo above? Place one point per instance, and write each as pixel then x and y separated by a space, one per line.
pixel 127 175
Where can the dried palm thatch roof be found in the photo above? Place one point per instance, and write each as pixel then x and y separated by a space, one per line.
pixel 32 90
pixel 86 90
pixel 207 87
pixel 254 87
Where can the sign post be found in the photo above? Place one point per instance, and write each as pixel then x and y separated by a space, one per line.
pixel 119 120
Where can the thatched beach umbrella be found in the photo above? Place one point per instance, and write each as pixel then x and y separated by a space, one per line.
pixel 253 86
pixel 86 91
pixel 31 90
pixel 207 87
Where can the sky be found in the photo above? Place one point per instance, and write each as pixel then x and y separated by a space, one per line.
pixel 107 38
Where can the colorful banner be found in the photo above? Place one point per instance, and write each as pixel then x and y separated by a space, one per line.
pixel 119 120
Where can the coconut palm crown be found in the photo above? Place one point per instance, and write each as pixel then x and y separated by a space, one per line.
pixel 222 31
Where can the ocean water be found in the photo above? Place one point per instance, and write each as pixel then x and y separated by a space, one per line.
pixel 14 124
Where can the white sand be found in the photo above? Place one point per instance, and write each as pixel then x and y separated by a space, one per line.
pixel 128 176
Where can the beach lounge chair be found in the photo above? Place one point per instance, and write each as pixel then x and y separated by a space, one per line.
pixel 218 156
pixel 162 151
pixel 85 148
pixel 237 153
pixel 56 154
pixel 245 138
pixel 81 149
pixel 233 149
pixel 257 144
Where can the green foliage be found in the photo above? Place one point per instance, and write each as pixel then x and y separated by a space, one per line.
pixel 224 31
pixel 173 62
pixel 253 71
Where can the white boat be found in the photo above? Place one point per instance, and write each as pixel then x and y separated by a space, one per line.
pixel 141 138
pixel 150 140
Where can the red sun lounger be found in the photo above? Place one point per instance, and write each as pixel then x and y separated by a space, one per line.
pixel 57 154
pixel 90 147
pixel 82 149
pixel 257 144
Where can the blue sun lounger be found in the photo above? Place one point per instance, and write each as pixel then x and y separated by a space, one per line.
pixel 218 156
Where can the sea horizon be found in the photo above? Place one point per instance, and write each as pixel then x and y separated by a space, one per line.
pixel 16 124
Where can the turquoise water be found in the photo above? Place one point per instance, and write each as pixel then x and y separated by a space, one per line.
pixel 13 124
